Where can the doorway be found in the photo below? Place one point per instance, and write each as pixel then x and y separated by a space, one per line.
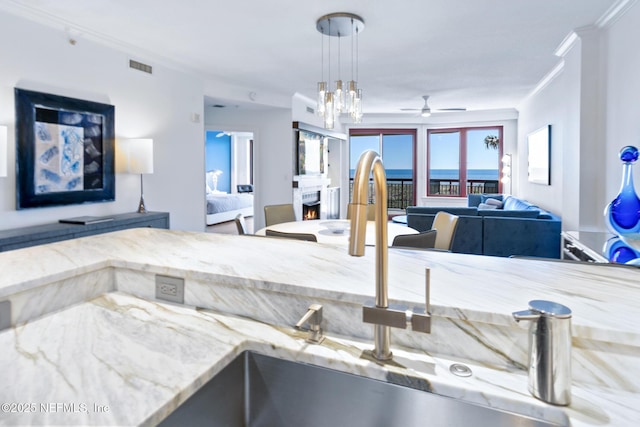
pixel 228 176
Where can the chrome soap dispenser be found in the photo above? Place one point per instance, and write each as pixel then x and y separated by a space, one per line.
pixel 549 350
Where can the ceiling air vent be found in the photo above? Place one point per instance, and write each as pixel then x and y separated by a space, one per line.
pixel 140 66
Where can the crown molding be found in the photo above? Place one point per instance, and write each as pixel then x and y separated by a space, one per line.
pixel 614 13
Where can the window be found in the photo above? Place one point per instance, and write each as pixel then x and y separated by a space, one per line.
pixel 397 148
pixel 463 161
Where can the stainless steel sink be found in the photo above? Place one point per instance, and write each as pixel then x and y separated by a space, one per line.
pixel 256 390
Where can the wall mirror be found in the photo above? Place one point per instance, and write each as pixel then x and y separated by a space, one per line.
pixel 539 155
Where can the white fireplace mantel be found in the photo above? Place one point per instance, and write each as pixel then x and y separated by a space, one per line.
pixel 303 184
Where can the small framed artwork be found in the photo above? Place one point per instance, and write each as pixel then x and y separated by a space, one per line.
pixel 539 146
pixel 64 150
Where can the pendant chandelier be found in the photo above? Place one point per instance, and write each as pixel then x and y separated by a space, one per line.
pixel 333 101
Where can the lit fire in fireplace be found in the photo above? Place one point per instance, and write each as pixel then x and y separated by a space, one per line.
pixel 310 211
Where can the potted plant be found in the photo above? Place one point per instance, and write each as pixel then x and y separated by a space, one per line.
pixel 491 141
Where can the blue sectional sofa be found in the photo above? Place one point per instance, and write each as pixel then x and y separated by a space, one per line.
pixel 497 225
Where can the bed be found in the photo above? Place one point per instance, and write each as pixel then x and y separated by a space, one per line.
pixel 223 207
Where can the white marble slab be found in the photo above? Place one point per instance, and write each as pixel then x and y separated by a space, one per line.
pixel 127 361
pixel 273 281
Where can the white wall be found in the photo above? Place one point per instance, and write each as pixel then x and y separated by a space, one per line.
pixel 545 108
pixel 622 99
pixel 160 106
pixel 593 107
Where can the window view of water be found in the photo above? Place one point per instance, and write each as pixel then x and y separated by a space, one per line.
pixel 448 152
pixel 451 174
pixel 396 150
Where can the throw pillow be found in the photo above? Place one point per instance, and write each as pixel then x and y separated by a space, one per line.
pixel 484 206
pixel 484 197
pixel 494 202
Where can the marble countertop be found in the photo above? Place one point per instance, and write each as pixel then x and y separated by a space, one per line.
pixel 128 361
pixel 604 299
pixel 467 292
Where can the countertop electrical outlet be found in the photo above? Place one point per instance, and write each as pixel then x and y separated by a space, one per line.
pixel 170 288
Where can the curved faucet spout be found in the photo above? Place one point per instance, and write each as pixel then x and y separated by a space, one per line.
pixel 370 161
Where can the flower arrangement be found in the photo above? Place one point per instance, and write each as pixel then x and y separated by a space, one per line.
pixel 491 141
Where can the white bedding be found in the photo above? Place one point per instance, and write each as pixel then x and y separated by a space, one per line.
pixel 223 207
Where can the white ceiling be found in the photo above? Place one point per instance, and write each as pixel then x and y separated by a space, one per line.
pixel 478 54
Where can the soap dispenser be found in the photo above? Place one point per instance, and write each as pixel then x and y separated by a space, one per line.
pixel 549 350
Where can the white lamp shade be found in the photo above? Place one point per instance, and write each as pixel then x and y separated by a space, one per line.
pixel 3 151
pixel 136 155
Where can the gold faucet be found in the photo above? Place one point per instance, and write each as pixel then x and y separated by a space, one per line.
pixel 380 315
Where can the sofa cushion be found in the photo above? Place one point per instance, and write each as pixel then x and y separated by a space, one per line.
pixel 476 199
pixel 525 213
pixel 435 209
pixel 545 215
pixel 525 237
pixel 514 204
pixel 484 206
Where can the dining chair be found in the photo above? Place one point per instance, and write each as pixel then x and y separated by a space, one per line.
pixel 277 214
pixel 240 224
pixel 298 236
pixel 423 240
pixel 445 224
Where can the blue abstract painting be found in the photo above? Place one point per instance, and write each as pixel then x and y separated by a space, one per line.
pixel 64 150
pixel 60 158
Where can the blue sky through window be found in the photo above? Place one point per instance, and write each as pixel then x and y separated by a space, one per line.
pixel 396 151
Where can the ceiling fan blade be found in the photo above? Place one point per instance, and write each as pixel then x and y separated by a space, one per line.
pixel 451 109
pixel 426 110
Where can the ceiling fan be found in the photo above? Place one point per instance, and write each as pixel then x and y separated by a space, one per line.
pixel 426 110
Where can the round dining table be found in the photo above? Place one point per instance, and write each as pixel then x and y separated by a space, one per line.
pixel 323 234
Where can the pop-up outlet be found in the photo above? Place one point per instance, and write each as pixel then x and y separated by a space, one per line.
pixel 170 288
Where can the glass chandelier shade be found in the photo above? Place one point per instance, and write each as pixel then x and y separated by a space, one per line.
pixel 339 97
pixel 348 100
pixel 322 91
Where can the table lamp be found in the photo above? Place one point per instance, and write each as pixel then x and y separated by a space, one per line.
pixel 214 178
pixel 138 158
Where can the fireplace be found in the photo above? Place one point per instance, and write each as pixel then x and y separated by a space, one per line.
pixel 311 205
pixel 310 211
pixel 309 197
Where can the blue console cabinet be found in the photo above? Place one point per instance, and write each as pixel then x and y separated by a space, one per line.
pixel 47 233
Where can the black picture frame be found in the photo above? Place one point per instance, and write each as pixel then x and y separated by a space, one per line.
pixel 64 150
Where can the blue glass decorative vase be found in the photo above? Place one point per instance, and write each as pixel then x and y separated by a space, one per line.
pixel 617 251
pixel 622 215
